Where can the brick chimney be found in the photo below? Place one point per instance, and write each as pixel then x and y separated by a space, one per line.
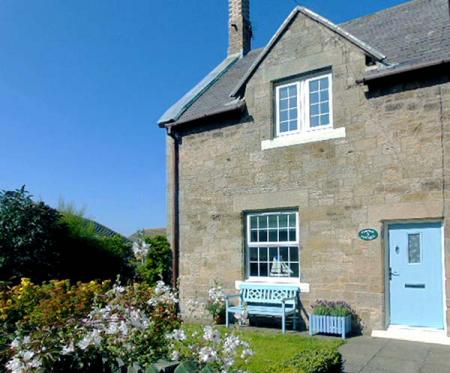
pixel 240 28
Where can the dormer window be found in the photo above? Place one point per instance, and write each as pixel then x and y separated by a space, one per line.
pixel 304 105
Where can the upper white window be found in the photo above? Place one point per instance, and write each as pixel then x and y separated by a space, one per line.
pixel 304 105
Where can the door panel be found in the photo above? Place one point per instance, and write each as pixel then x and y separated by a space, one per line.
pixel 415 258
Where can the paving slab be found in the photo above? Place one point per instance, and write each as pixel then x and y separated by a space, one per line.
pixel 371 355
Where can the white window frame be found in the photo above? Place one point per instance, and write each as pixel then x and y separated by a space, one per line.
pixel 303 106
pixel 250 244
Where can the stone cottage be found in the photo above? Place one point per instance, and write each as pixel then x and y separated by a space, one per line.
pixel 327 151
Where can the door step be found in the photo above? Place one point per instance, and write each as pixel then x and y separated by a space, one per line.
pixel 414 334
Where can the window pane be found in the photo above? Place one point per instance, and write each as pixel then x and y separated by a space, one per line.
pixel 292 125
pixel 323 83
pixel 273 221
pixel 284 104
pixel 253 222
pixel 283 92
pixel 315 121
pixel 262 254
pixel 325 119
pixel 314 109
pixel 292 235
pixel 314 97
pixel 324 96
pixel 263 236
pixel 324 107
pixel 273 235
pixel 273 253
pixel 283 221
pixel 313 85
pixel 293 102
pixel 414 248
pixel 293 114
pixel 292 220
pixel 284 127
pixel 292 90
pixel 293 252
pixel 284 116
pixel 283 235
pixel 294 269
pixel 264 269
pixel 253 254
pixel 253 269
pixel 262 222
pixel 254 236
pixel 284 254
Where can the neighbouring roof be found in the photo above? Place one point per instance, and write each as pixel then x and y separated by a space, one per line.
pixel 149 232
pixel 102 230
pixel 413 34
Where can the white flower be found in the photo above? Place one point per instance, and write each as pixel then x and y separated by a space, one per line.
pixel 175 355
pixel 178 335
pixel 207 355
pixel 211 334
pixel 15 365
pixel 15 343
pixel 66 350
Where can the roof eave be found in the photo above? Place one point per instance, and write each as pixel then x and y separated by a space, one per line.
pixel 235 106
pixel 314 16
pixel 401 70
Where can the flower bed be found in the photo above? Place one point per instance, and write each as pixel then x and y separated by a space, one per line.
pixel 331 318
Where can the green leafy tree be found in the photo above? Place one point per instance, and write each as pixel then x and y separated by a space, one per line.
pixel 157 264
pixel 27 232
pixel 88 255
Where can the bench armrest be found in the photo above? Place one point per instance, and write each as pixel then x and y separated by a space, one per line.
pixel 290 298
pixel 230 296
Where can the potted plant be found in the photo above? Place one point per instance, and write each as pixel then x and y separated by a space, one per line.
pixel 330 318
pixel 216 303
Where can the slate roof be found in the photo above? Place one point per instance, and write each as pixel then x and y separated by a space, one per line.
pixel 411 34
pixel 102 230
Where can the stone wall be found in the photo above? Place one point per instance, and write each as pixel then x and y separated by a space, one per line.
pixel 388 167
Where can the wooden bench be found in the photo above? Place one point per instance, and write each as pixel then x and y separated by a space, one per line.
pixel 265 300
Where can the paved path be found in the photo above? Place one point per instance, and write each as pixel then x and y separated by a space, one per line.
pixel 370 355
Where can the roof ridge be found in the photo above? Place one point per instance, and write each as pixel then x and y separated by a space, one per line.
pixel 325 22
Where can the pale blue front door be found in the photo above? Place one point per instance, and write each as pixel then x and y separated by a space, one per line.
pixel 415 275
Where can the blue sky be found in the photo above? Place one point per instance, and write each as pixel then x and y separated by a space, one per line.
pixel 83 82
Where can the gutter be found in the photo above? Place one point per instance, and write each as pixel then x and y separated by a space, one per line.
pixel 400 70
pixel 236 105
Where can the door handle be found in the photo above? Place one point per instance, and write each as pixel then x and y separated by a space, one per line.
pixel 392 273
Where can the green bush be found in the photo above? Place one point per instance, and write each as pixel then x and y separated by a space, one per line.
pixel 27 237
pixel 157 264
pixel 40 243
pixel 323 359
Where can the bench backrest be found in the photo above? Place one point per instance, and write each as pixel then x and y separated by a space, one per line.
pixel 270 294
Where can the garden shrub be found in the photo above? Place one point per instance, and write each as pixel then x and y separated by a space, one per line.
pixel 27 237
pixel 88 327
pixel 156 263
pixel 322 359
pixel 40 243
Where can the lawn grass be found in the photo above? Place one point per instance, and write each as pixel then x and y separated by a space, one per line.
pixel 272 347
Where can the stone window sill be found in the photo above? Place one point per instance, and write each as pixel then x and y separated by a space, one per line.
pixel 304 138
pixel 303 286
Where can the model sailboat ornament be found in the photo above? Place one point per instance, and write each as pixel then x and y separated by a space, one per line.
pixel 279 268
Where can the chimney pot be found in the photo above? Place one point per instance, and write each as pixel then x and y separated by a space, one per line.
pixel 240 28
